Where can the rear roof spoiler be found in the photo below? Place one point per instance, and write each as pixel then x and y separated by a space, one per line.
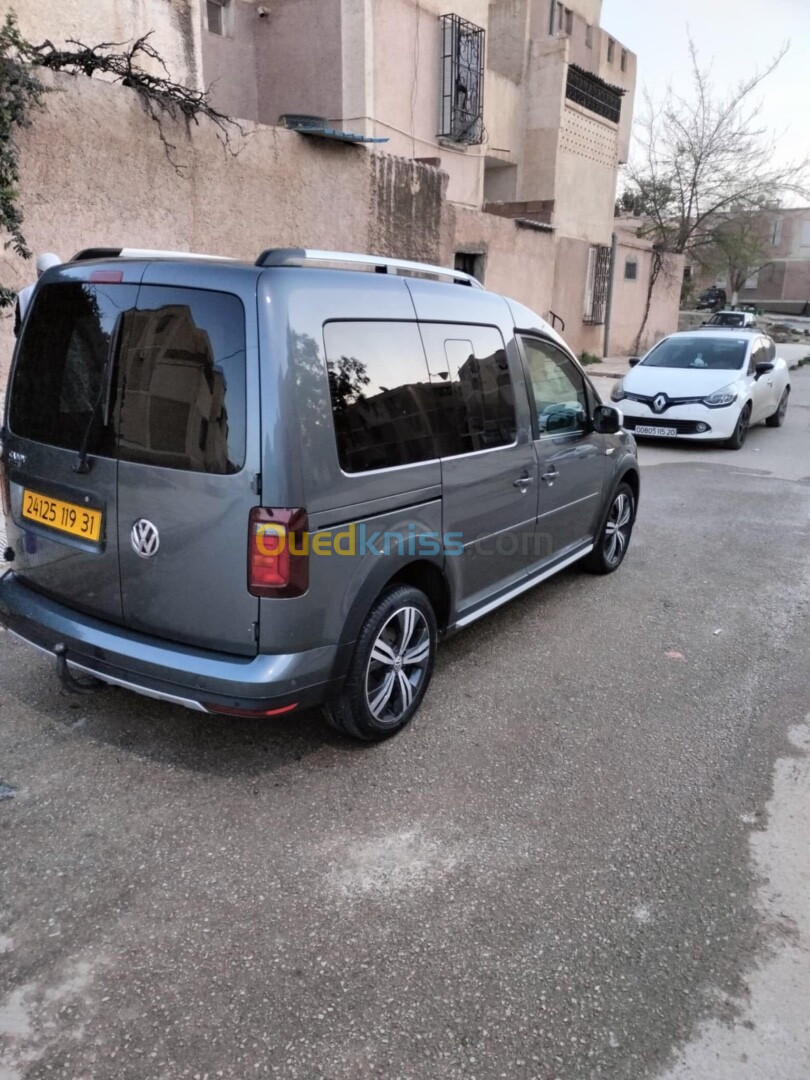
pixel 141 253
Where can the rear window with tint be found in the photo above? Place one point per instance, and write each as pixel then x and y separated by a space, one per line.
pixel 169 374
pixel 56 395
pixel 181 381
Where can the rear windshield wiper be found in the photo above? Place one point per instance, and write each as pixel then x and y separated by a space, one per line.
pixel 104 397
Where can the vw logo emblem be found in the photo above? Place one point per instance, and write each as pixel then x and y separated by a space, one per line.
pixel 659 403
pixel 145 538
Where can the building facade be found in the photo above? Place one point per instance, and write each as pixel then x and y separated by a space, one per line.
pixel 524 106
pixel 781 282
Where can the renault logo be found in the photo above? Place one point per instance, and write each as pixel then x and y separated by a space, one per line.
pixel 145 538
pixel 660 403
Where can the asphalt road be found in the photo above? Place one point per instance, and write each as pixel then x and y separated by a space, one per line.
pixel 552 874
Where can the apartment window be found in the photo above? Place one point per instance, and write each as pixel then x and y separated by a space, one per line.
pixel 217 14
pixel 611 50
pixel 624 59
pixel 753 281
pixel 776 235
pixel 596 284
pixel 589 36
pixel 631 269
pixel 561 21
pixel 472 263
pixel 462 102
pixel 806 234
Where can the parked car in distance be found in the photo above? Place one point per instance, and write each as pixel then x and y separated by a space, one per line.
pixel 703 385
pixel 249 489
pixel 732 319
pixel 713 297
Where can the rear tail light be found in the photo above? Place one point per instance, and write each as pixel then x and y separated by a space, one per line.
pixel 278 552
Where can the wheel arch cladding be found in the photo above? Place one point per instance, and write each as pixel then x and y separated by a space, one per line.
pixel 421 573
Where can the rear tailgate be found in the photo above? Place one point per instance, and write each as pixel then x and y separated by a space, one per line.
pixel 189 458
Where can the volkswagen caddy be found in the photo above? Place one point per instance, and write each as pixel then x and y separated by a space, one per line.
pixel 250 489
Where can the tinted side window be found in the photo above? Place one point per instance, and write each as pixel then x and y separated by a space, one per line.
pixel 382 401
pixel 181 378
pixel 558 389
pixel 59 378
pixel 475 399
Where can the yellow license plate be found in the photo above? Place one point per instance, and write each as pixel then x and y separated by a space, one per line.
pixel 65 516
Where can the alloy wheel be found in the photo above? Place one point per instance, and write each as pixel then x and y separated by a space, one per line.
pixel 618 527
pixel 397 665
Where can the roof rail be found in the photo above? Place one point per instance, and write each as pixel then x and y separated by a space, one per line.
pixel 381 263
pixel 140 253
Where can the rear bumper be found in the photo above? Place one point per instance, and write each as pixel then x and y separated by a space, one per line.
pixel 196 678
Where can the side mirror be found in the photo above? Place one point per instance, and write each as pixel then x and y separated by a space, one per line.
pixel 764 368
pixel 634 360
pixel 607 420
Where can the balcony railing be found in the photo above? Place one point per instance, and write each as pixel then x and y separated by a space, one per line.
pixel 594 94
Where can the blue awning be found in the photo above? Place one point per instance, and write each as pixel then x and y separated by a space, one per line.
pixel 318 126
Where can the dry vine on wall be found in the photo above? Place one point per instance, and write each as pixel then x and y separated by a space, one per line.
pixel 21 93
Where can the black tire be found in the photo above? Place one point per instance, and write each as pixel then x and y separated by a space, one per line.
pixel 614 536
pixel 401 623
pixel 737 440
pixel 778 418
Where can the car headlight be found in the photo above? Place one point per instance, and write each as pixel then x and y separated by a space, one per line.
pixel 721 398
pixel 617 393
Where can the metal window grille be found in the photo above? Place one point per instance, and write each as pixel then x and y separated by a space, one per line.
pixel 593 94
pixel 596 286
pixel 462 106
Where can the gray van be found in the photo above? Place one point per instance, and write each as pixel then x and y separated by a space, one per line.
pixel 249 489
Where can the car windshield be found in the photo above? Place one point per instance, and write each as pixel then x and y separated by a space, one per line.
pixel 720 354
pixel 727 318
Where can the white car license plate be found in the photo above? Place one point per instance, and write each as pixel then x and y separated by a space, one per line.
pixel 652 429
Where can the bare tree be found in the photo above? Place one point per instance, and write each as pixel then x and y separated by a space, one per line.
pixel 739 245
pixel 699 156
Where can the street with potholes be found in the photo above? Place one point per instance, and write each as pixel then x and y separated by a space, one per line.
pixel 587 857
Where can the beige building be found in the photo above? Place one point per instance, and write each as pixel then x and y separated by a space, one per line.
pixel 781 283
pixel 504 125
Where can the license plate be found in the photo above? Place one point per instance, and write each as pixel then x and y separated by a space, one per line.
pixel 651 429
pixel 66 517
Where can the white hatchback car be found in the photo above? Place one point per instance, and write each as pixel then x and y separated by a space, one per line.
pixel 707 384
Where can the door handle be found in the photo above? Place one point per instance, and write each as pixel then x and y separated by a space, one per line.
pixel 550 476
pixel 523 482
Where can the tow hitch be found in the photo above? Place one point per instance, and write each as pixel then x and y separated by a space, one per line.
pixel 73 685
